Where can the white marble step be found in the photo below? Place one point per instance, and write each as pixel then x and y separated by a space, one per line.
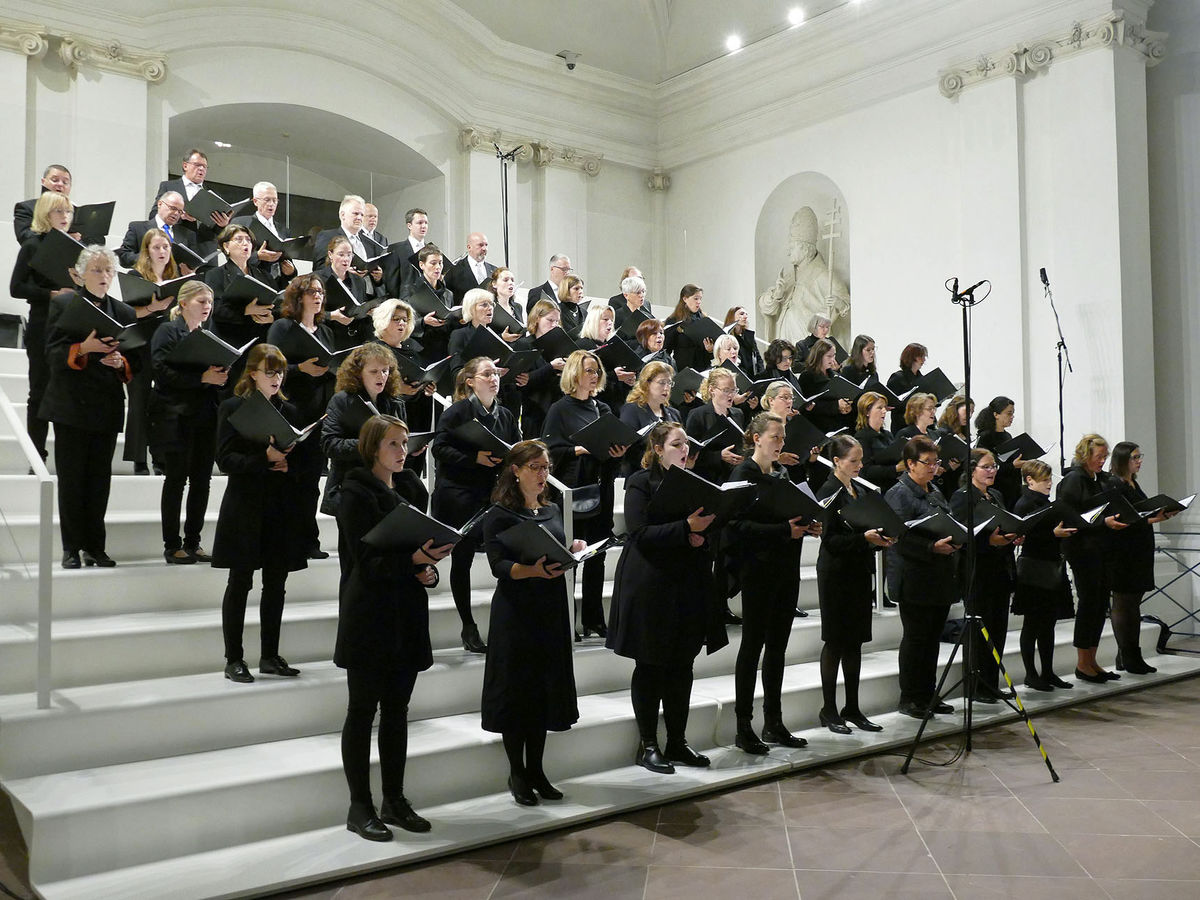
pixel 248 794
pixel 102 724
pixel 13 362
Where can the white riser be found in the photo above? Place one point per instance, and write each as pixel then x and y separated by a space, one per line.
pixel 254 793
pixel 13 362
pixel 105 724
pixel 15 387
pixel 20 494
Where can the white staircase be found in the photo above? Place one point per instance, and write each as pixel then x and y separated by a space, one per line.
pixel 151 775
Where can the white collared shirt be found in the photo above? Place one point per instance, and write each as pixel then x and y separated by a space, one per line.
pixel 269 223
pixel 191 187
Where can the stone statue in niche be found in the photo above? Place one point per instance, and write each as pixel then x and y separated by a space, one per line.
pixel 807 284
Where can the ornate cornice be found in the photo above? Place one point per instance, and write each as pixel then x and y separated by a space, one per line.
pixel 23 38
pixel 658 181
pixel 1114 29
pixel 540 153
pixel 112 56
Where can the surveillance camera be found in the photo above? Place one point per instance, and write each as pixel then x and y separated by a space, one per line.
pixel 570 57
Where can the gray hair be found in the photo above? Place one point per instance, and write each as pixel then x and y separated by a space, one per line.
pixel 633 285
pixel 558 257
pixel 351 198
pixel 381 316
pixel 261 188
pixel 87 254
pixel 471 299
pixel 724 342
pixel 817 321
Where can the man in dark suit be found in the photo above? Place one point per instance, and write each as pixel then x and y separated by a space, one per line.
pixel 56 178
pixel 351 214
pixel 560 268
pixel 472 271
pixel 400 268
pixel 166 219
pixel 266 202
pixel 195 168
pixel 369 229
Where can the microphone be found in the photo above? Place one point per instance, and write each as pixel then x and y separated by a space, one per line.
pixel 954 290
pixel 972 288
pixel 1045 280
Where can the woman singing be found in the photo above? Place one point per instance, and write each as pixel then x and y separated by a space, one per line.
pixel 183 425
pixel 661 615
pixel 752 361
pixel 466 475
pixel 861 364
pixel 260 525
pixel 992 423
pixel 529 679
pixel 845 573
pixel 905 379
pixel 542 388
pixel 685 351
pixel 819 367
pixel 344 289
pixel 383 627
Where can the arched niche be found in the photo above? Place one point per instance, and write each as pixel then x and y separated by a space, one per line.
pixel 771 242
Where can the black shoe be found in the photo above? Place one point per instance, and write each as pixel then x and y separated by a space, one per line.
pixel 888 602
pixel 141 469
pixel 399 812
pixel 521 791
pixel 199 554
pixel 833 722
pixel 777 733
pixel 317 553
pixel 157 469
pixel 471 640
pixel 178 558
pixel 544 788
pixel 684 755
pixel 858 720
pixel 747 741
pixel 237 671
pixel 1109 676
pixel 1057 682
pixel 98 558
pixel 1090 679
pixel 651 758
pixel 985 697
pixel 732 618
pixel 276 665
pixel 800 613
pixel 941 708
pixel 600 630
pixel 1037 682
pixel 363 822
pixel 1139 666
pixel 578 638
pixel 70 559
pixel 913 710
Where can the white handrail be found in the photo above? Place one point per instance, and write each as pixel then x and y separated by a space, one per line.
pixel 568 516
pixel 45 548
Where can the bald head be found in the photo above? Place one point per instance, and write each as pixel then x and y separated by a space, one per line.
pixel 170 207
pixel 477 246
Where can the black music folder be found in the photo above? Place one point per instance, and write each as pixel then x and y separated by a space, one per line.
pixel 81 317
pixel 938 384
pixel 416 374
pixel 1089 518
pixel 519 362
pixel 555 343
pixel 264 235
pixel 844 389
pixel 206 202
pixel 93 221
pixel 503 320
pixel 186 256
pixel 56 256
pixel 617 354
pixel 940 525
pixel 687 381
pixel 701 328
pixel 1163 503
pixel 137 291
pixel 869 511
pixel 950 446
pixel 299 344
pixel 246 288
pixel 529 541
pixel 485 342
pixel 800 436
pixel 682 492
pixel 1023 446
pixel 426 300
pixel 481 437
pixel 1009 522
pixel 605 432
pixel 368 263
pixel 635 318
pixel 258 420
pixel 725 434
pixel 203 348
pixel 782 500
pixel 407 528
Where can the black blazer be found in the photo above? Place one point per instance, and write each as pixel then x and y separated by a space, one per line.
pixel 179 388
pixel 882 475
pixel 434 339
pixel 701 422
pixel 383 611
pixel 340 445
pixel 131 245
pixel 29 284
pixel 91 397
pixel 460 279
pixel 204 234
pixel 545 290
pixel 310 394
pixel 23 219
pixel 400 268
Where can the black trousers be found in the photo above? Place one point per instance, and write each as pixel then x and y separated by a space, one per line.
pixel 462 557
pixel 137 415
pixel 270 610
pixel 591 612
pixel 190 464
pixel 39 376
pixel 1092 590
pixel 919 650
pixel 768 610
pixel 389 692
pixel 991 605
pixel 84 463
pixel 670 687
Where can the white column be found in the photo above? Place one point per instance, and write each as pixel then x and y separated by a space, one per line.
pixel 15 179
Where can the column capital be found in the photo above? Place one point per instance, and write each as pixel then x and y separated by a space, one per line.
pixel 23 37
pixel 542 153
pixel 112 56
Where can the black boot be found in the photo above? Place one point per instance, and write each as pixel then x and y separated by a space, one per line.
pixel 775 732
pixel 362 821
pixel 651 758
pixel 747 741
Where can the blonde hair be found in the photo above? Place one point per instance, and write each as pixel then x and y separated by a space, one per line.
pixel 591 322
pixel 650 371
pixel 724 342
pixel 540 310
pixel 186 295
pixel 713 375
pixel 1036 469
pixel 1087 443
pixel 49 202
pixel 774 389
pixel 573 371
pixel 916 403
pixel 865 403
pixel 381 316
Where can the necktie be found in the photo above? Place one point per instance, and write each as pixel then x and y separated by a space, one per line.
pixel 167 229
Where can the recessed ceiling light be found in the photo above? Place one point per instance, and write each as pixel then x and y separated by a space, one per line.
pixel 223 145
pixel 795 16
pixel 733 43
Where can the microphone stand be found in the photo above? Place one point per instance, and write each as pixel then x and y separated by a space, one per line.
pixel 505 159
pixel 1064 355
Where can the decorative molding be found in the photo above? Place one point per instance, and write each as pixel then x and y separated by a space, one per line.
pixel 658 181
pixel 1114 29
pixel 112 56
pixel 540 153
pixel 23 38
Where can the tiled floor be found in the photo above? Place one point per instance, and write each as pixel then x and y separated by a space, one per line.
pixel 1124 822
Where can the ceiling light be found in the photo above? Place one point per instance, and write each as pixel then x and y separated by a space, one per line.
pixel 733 43
pixel 795 16
pixel 222 145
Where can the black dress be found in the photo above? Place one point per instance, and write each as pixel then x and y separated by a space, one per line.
pixel 1041 544
pixel 1131 551
pixel 874 443
pixel 826 413
pixel 685 351
pixel 35 288
pixel 1086 551
pixel 900 382
pixel 845 572
pixel 529 677
pixel 463 487
pixel 637 416
pixel 662 609
pixel 341 447
pixel 703 421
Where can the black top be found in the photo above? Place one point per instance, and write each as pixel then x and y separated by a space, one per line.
pixel 1008 476
pixel 180 386
pixel 826 413
pixel 29 284
pixel 229 316
pixel 757 540
pixel 565 417
pixel 881 474
pixel 898 382
pixel 637 417
pixel 686 351
pixel 1079 489
pixel 994 567
pixel 701 422
pixel 926 578
pixel 383 611
pixel 309 393
pixel 463 486
pixel 340 445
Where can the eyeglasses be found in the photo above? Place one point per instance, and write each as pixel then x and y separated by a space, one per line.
pixel 177 209
pixel 1135 456
pixel 663 382
pixel 566 270
pixel 274 373
pixel 991 468
pixel 932 464
pixel 538 468
pixel 589 371
pixel 316 292
pixel 726 390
